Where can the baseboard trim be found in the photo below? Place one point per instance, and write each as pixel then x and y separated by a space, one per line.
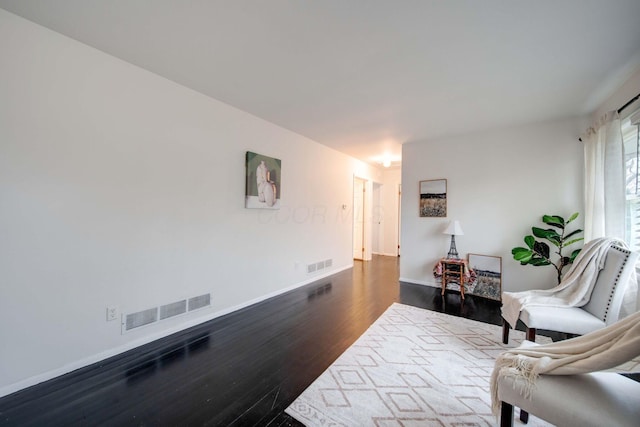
pixel 385 254
pixel 431 283
pixel 82 363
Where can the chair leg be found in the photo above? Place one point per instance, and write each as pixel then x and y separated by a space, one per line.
pixel 505 331
pixel 506 415
pixel 531 334
pixel 524 416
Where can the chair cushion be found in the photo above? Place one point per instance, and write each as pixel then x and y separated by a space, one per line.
pixel 608 293
pixel 573 320
pixel 595 399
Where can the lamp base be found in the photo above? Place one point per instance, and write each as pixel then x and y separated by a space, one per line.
pixel 453 252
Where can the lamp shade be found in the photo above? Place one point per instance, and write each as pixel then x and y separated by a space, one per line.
pixel 454 229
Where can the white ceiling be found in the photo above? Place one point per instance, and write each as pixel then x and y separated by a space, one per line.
pixel 364 76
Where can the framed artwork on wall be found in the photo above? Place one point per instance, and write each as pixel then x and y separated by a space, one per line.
pixel 263 182
pixel 488 276
pixel 433 198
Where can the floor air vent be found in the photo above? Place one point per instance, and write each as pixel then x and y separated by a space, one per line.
pixel 173 309
pixel 199 302
pixel 141 318
pixel 320 265
pixel 152 315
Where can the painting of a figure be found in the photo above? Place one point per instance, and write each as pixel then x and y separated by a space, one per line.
pixel 433 198
pixel 263 181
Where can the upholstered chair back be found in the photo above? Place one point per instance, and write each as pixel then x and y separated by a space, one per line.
pixel 608 292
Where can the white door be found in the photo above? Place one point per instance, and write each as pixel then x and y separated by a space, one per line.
pixel 399 214
pixel 377 226
pixel 358 218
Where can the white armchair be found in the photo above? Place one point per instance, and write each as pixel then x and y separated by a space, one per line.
pixel 603 308
pixel 572 382
pixel 596 399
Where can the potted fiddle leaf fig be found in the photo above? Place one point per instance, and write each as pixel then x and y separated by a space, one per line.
pixel 538 253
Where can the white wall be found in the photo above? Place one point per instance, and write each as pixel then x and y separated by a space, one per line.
pixel 119 187
pixel 624 93
pixel 500 183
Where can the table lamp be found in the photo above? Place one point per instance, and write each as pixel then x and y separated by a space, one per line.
pixel 454 229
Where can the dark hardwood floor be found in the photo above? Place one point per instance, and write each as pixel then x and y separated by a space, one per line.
pixel 241 369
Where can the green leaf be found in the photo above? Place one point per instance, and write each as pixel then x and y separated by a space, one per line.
pixel 574 254
pixel 572 234
pixel 572 217
pixel 544 233
pixel 553 220
pixel 571 242
pixel 556 240
pixel 522 254
pixel 529 240
pixel 539 232
pixel 539 261
pixel 548 234
pixel 542 249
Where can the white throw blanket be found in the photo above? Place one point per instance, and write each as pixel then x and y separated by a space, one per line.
pixel 575 288
pixel 600 350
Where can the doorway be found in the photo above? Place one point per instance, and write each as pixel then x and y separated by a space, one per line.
pixel 377 220
pixel 399 216
pixel 358 217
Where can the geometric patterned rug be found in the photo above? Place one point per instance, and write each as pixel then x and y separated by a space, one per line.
pixel 412 367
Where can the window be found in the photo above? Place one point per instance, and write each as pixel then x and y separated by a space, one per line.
pixel 631 138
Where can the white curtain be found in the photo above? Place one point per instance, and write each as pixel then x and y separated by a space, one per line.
pixel 604 179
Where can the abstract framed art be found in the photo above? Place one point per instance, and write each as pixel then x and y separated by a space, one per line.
pixel 263 181
pixel 488 276
pixel 433 198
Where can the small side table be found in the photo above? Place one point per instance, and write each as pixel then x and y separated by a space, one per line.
pixel 454 270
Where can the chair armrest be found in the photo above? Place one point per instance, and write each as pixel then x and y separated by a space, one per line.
pixel 595 399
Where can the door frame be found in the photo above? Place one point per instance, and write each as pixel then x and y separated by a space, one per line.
pixel 366 220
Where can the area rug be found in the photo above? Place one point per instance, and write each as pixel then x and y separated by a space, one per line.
pixel 412 367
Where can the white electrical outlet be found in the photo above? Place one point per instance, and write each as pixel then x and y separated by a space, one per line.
pixel 112 313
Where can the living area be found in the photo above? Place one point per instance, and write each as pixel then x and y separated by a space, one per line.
pixel 123 178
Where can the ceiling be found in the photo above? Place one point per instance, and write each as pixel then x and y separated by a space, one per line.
pixel 365 76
